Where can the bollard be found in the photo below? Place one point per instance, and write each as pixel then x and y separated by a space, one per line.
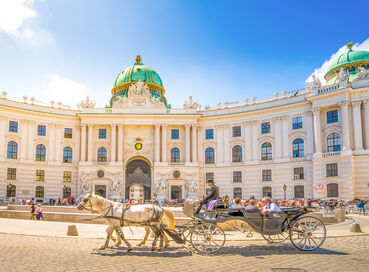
pixel 355 227
pixel 72 230
pixel 340 215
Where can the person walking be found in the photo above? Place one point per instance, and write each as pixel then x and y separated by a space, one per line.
pixel 32 211
pixel 39 211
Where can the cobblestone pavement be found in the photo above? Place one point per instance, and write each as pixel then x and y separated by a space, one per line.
pixel 37 253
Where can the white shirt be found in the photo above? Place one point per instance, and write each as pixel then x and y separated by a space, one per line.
pixel 272 207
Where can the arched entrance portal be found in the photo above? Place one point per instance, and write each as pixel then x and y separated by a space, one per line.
pixel 138 172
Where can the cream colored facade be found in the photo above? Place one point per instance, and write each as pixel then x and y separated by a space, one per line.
pixel 151 125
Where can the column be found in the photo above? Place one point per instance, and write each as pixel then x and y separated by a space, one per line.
pixel 89 143
pixel 226 129
pixel 164 143
pixel 194 143
pixel 219 153
pixel 188 141
pixel 358 130
pixel 113 141
pixel 120 143
pixel 255 145
pixel 157 143
pixel 278 138
pixel 51 135
pixel 366 123
pixel 2 137
pixel 317 131
pixel 285 131
pixel 345 126
pixel 248 141
pixel 83 142
pixel 307 123
pixel 58 138
pixel 24 143
pixel 31 147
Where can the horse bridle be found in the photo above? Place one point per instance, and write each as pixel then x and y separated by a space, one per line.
pixel 85 200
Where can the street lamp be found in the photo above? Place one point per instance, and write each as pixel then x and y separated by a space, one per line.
pixel 284 190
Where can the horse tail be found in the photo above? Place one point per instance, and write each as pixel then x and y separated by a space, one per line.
pixel 170 219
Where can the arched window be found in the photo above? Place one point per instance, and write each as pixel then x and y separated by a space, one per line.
pixel 209 155
pixel 40 191
pixel 10 190
pixel 174 155
pixel 298 148
pixel 237 153
pixel 267 191
pixel 299 191
pixel 67 192
pixel 102 154
pixel 237 192
pixel 266 151
pixel 332 190
pixel 40 152
pixel 334 142
pixel 12 150
pixel 67 154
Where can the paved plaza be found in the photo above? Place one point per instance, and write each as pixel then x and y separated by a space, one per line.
pixel 22 250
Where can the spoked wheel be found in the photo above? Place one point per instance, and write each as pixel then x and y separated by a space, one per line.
pixel 207 238
pixel 277 238
pixel 308 233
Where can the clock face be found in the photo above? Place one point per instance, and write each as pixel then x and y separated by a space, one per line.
pixel 138 146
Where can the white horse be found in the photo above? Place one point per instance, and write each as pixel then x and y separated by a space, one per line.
pixel 147 215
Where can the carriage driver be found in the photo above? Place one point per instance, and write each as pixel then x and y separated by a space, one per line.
pixel 213 194
pixel 269 206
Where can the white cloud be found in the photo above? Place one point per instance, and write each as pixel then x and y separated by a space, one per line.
pixel 64 90
pixel 322 70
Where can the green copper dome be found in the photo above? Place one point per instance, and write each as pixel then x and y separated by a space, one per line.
pixel 138 71
pixel 348 61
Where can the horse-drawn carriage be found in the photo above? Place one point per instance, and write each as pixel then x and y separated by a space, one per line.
pixel 305 232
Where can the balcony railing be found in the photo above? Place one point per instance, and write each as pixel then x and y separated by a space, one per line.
pixel 331 154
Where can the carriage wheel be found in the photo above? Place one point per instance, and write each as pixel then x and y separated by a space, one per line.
pixel 308 233
pixel 277 238
pixel 207 238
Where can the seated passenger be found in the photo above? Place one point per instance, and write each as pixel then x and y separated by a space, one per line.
pixel 212 194
pixel 251 206
pixel 237 204
pixel 269 206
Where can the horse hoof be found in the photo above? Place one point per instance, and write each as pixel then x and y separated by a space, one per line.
pixel 166 246
pixel 153 249
pixel 117 245
pixel 129 250
pixel 158 250
pixel 102 248
pixel 138 245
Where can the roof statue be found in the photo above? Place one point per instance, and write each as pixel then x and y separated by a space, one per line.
pixel 343 75
pixel 362 74
pixel 314 84
pixel 190 104
pixel 86 104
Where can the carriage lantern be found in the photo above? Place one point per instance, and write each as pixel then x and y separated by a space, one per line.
pixel 284 190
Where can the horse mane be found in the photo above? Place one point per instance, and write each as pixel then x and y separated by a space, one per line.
pixel 99 200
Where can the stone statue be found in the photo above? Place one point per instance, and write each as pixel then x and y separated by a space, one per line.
pixel 190 104
pixel 138 89
pixel 343 75
pixel 85 186
pixel 86 104
pixel 191 186
pixel 315 84
pixel 160 186
pixel 362 74
pixel 154 99
pixel 115 186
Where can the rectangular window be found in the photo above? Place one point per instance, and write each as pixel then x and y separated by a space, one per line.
pixel 68 133
pixel 209 175
pixel 102 133
pixel 41 130
pixel 12 174
pixel 67 176
pixel 297 123
pixel 267 175
pixel 13 126
pixel 40 175
pixel 39 191
pixel 332 170
pixel 332 116
pixel 175 134
pixel 236 131
pixel 209 134
pixel 237 176
pixel 298 173
pixel 265 128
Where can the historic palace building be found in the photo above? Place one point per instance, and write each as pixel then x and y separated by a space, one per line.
pixel 311 143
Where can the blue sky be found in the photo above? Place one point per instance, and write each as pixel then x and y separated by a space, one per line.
pixel 215 51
